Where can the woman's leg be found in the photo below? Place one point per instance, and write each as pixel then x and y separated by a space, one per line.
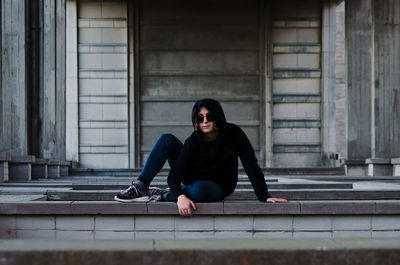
pixel 167 148
pixel 204 191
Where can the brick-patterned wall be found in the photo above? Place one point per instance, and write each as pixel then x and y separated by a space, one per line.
pixel 175 227
pixel 103 89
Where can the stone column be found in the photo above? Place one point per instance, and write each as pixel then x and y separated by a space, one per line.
pixel 72 132
pixel 13 79
pixel 359 69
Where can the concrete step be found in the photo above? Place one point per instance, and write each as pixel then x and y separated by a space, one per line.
pixel 242 194
pixel 84 220
pixel 267 171
pixel 203 252
pixel 240 185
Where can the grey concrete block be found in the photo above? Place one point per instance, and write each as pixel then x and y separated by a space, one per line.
pixel 53 171
pixel 44 207
pixel 64 171
pixel 26 159
pixel 20 171
pixel 75 223
pixel 8 208
pixel 233 223
pixel 352 223
pixel 74 235
pixel 114 223
pixel 385 234
pixel 393 161
pixel 107 207
pixel 114 9
pixel 4 171
pixel 352 170
pixel 35 222
pixel 378 161
pixel 154 235
pixel 380 170
pixel 396 170
pixel 169 208
pixel 36 234
pixel 273 223
pixel 154 223
pixel 279 234
pixel 195 223
pixel 114 235
pixel 39 171
pixel 233 234
pixel 312 223
pixel 337 207
pixel 387 207
pixel 89 9
pixel 385 222
pixel 7 227
pixel 312 234
pixel 194 235
pixel 8 234
pixel 351 234
pixel 258 208
pixel 209 208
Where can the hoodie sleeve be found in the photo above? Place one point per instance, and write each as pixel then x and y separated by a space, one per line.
pixel 253 171
pixel 176 175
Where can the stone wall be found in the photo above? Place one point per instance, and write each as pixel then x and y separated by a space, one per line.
pixel 89 227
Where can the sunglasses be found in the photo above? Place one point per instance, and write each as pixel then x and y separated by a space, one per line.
pixel 200 118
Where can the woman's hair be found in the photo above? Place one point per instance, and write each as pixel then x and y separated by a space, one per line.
pixel 213 107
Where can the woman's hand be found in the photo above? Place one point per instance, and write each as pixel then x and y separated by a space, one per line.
pixel 274 200
pixel 184 205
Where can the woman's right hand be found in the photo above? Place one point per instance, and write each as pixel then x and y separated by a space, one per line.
pixel 184 205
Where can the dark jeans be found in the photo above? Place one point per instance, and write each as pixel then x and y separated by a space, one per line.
pixel 167 148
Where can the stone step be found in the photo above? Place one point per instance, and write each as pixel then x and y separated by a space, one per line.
pixel 242 194
pixel 204 252
pixel 267 171
pixel 240 185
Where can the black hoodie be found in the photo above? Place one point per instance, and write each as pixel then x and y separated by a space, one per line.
pixel 217 160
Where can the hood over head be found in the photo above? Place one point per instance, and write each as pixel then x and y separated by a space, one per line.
pixel 213 107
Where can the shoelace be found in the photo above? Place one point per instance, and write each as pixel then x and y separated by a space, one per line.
pixel 156 194
pixel 132 187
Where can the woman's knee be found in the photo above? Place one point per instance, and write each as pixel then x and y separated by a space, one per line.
pixel 166 137
pixel 204 191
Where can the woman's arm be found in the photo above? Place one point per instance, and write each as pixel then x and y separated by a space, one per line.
pixel 175 179
pixel 253 171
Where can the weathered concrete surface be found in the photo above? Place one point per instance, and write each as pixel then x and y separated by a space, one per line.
pixel 13 81
pixel 330 252
pixel 358 19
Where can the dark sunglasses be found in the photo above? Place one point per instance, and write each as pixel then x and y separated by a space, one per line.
pixel 200 118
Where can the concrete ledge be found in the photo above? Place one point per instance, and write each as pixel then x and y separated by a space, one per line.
pixel 54 168
pixel 355 167
pixel 39 168
pixel 219 208
pixel 228 251
pixel 20 168
pixel 379 167
pixel 396 166
pixel 4 171
pixel 244 194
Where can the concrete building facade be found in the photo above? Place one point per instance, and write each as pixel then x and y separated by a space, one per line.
pixel 97 81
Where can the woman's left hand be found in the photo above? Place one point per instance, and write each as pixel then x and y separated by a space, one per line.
pixel 274 200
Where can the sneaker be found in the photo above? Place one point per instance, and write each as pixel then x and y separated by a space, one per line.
pixel 131 194
pixel 157 193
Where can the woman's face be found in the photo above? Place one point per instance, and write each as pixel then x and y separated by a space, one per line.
pixel 206 126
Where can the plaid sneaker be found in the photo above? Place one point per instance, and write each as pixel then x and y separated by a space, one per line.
pixel 131 194
pixel 156 194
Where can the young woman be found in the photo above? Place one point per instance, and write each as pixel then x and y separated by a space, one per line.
pixel 204 168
